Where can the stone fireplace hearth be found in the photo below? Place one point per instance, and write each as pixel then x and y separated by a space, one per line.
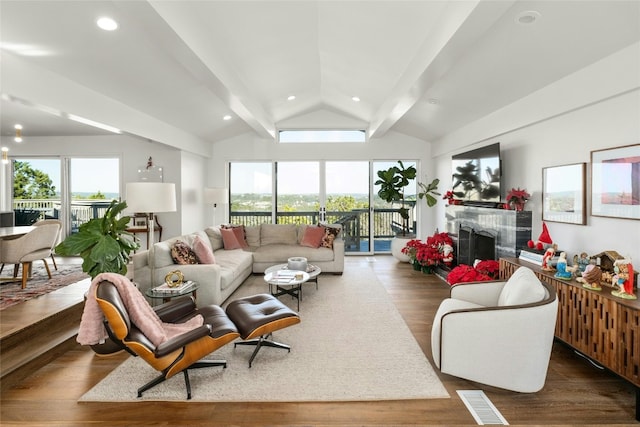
pixel 487 233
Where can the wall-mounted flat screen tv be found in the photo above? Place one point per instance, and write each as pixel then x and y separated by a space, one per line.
pixel 477 175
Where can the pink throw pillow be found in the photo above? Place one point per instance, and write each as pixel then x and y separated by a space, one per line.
pixel 229 239
pixel 312 236
pixel 203 251
pixel 242 240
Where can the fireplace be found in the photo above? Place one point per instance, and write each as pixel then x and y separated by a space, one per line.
pixel 475 245
pixel 487 233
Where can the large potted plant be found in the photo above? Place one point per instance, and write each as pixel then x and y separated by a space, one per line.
pixel 103 243
pixel 105 247
pixel 393 182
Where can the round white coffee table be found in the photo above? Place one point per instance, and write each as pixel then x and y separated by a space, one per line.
pixel 286 282
pixel 313 271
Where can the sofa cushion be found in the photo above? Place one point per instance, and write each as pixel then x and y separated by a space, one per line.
pixel 203 251
pixel 215 238
pixel 278 254
pixel 313 236
pixel 181 253
pixel 232 265
pixel 252 235
pixel 274 234
pixel 230 239
pixel 238 230
pixel 523 287
pixel 330 234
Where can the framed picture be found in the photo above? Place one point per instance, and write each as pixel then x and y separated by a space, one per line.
pixel 615 182
pixel 564 193
pixel 138 222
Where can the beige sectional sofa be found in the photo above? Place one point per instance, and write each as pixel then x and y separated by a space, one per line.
pixel 268 244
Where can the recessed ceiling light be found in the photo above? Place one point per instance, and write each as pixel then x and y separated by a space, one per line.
pixel 432 101
pixel 355 99
pixel 227 117
pixel 107 24
pixel 291 97
pixel 528 17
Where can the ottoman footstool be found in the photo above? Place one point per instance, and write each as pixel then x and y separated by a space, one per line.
pixel 257 317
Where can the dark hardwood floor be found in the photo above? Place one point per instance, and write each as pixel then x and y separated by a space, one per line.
pixel 576 393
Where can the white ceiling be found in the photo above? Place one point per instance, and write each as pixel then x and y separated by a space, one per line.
pixel 422 68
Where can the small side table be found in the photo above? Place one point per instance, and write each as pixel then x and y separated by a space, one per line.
pixel 166 296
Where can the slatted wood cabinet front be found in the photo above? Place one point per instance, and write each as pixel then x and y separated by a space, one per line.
pixel 597 324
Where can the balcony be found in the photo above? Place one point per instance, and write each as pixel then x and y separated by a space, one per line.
pixel 355 223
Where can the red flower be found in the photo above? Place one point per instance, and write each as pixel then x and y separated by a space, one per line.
pixel 518 195
pixel 490 268
pixel 465 273
pixel 448 195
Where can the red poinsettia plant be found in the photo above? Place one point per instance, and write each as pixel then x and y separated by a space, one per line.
pixel 518 196
pixel 437 250
pixel 483 271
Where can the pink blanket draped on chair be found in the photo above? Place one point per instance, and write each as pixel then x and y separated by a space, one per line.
pixel 92 329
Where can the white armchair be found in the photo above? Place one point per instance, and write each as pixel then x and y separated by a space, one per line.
pixel 497 333
pixel 25 249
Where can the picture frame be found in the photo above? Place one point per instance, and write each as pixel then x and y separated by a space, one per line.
pixel 615 182
pixel 564 193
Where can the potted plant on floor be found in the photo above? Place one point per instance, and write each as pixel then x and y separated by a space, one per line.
pixel 105 247
pixel 393 182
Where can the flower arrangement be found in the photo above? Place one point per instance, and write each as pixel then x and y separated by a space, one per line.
pixel 517 198
pixel 482 272
pixel 435 251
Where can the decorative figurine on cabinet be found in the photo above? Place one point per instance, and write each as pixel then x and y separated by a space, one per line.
pixel 591 276
pixel 546 258
pixel 623 278
pixel 561 267
pixel 582 261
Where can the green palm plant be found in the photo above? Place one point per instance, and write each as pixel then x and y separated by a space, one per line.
pixel 102 243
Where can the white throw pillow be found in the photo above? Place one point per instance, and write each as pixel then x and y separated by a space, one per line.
pixel 523 287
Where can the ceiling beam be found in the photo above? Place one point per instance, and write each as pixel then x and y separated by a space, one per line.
pixel 209 67
pixel 461 25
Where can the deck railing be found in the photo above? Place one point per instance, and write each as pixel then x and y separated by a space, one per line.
pixel 355 223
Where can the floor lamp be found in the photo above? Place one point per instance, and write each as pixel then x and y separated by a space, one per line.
pixel 215 196
pixel 150 198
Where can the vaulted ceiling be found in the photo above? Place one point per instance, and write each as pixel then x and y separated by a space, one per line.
pixel 422 68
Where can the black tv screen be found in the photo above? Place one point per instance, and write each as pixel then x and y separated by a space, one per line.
pixel 477 175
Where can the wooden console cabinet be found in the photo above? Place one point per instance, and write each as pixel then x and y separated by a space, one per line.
pixel 600 326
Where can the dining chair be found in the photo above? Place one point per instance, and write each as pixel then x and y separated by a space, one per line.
pixel 35 245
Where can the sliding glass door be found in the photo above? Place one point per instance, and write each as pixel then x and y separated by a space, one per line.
pixel 308 192
pixel 73 190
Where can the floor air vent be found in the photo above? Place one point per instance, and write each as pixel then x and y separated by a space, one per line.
pixel 483 411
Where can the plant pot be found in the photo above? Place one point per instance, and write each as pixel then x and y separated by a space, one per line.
pixel 427 269
pixel 416 266
pixel 397 244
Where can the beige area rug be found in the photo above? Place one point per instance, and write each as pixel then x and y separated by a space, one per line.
pixel 351 345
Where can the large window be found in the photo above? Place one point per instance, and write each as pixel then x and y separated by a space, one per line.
pixel 307 192
pixel 251 188
pixel 73 190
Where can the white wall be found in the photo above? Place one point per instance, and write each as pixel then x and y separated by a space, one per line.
pixel 186 170
pixel 392 146
pixel 550 138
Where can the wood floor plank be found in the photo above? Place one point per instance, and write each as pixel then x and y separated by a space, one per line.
pixel 575 393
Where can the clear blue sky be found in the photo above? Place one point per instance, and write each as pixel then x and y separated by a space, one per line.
pixel 87 175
